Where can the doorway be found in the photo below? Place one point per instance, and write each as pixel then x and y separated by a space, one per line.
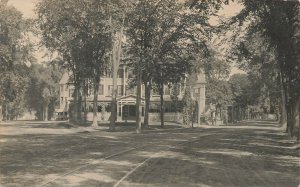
pixel 129 112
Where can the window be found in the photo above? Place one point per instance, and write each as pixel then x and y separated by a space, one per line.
pixel 107 74
pixel 121 73
pixel 108 107
pixel 101 89
pixel 154 107
pixel 110 90
pixel 99 108
pixel 130 91
pixel 130 74
pixel 155 91
pixel 66 88
pixel 61 88
pixel 71 93
pixel 166 90
pixel 120 90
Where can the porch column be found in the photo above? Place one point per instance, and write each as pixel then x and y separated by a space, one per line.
pixel 124 81
pixel 121 116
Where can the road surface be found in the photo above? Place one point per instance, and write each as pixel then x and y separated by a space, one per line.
pixel 250 154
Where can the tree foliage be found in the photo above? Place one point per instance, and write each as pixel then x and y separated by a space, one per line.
pixel 42 90
pixel 157 35
pixel 82 32
pixel 275 53
pixel 15 53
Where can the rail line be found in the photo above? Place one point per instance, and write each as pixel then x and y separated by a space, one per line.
pixel 153 156
pixel 128 151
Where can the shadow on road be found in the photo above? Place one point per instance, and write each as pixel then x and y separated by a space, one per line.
pixel 215 157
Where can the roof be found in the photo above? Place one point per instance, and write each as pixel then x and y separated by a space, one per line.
pixel 58 110
pixel 65 78
pixel 131 96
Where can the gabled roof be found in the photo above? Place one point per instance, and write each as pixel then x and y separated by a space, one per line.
pixel 65 78
pixel 131 96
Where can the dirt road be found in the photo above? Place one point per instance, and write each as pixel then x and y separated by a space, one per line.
pixel 251 154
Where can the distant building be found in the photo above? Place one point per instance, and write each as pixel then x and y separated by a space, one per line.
pixel 126 99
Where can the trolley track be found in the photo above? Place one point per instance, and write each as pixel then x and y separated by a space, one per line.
pixel 139 165
pixel 128 151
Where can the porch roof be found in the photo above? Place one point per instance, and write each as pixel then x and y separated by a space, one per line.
pixel 129 97
pixel 129 100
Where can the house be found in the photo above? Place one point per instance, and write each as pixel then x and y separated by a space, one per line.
pixel 126 99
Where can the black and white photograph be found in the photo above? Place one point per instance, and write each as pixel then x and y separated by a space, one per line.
pixel 149 93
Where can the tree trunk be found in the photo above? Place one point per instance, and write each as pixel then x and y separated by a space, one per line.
pixel 75 106
pixel 116 59
pixel 162 107
pixel 6 113
pixel 289 107
pixel 95 101
pixel 85 92
pixel 283 112
pixel 114 111
pixel 46 113
pixel 77 101
pixel 147 103
pixel 80 103
pixel 138 102
pixel 1 114
pixel 294 112
pixel 298 120
pixel 289 129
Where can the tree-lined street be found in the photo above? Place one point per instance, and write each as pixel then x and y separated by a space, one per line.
pixel 151 93
pixel 250 154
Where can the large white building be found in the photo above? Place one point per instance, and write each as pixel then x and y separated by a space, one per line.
pixel 126 99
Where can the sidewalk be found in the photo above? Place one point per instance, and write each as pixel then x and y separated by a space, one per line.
pixel 65 127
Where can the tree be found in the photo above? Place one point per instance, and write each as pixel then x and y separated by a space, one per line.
pixel 276 24
pixel 42 89
pixel 15 52
pixel 203 58
pixel 46 97
pixel 241 93
pixel 82 33
pixel 116 59
pixel 156 32
pixel 187 111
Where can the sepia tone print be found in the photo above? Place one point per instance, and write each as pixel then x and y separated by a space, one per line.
pixel 149 93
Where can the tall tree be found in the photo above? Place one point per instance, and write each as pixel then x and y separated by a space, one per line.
pixel 15 52
pixel 276 23
pixel 156 32
pixel 82 32
pixel 42 90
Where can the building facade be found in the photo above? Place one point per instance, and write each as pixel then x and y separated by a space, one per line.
pixel 126 99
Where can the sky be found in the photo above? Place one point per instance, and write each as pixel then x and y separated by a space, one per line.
pixel 27 8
